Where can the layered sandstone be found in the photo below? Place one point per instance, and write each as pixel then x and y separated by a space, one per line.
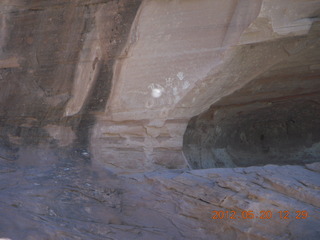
pixel 68 201
pixel 135 119
pixel 182 58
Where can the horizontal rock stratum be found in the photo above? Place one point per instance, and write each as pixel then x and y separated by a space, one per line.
pixel 72 202
pixel 137 119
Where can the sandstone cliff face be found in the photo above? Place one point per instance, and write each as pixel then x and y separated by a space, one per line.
pixel 101 98
pixel 56 68
pixel 118 81
pixel 183 57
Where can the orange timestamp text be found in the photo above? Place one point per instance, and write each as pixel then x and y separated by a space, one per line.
pixel 263 214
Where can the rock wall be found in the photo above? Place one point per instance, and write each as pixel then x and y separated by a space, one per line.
pixel 107 105
pixel 268 132
pixel 184 56
pixel 272 119
pixel 112 79
pixel 56 69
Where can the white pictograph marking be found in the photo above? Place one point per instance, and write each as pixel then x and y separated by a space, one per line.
pixel 156 93
pixel 156 90
pixel 169 82
pixel 186 85
pixel 180 75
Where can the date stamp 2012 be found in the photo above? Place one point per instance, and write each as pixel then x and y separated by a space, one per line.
pixel 263 214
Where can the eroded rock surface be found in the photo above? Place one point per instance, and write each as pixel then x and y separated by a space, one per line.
pixel 107 105
pixel 113 79
pixel 281 131
pixel 69 200
pixel 184 57
pixel 56 61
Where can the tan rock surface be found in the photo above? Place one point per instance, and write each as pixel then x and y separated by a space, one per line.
pixel 107 105
pixel 183 57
